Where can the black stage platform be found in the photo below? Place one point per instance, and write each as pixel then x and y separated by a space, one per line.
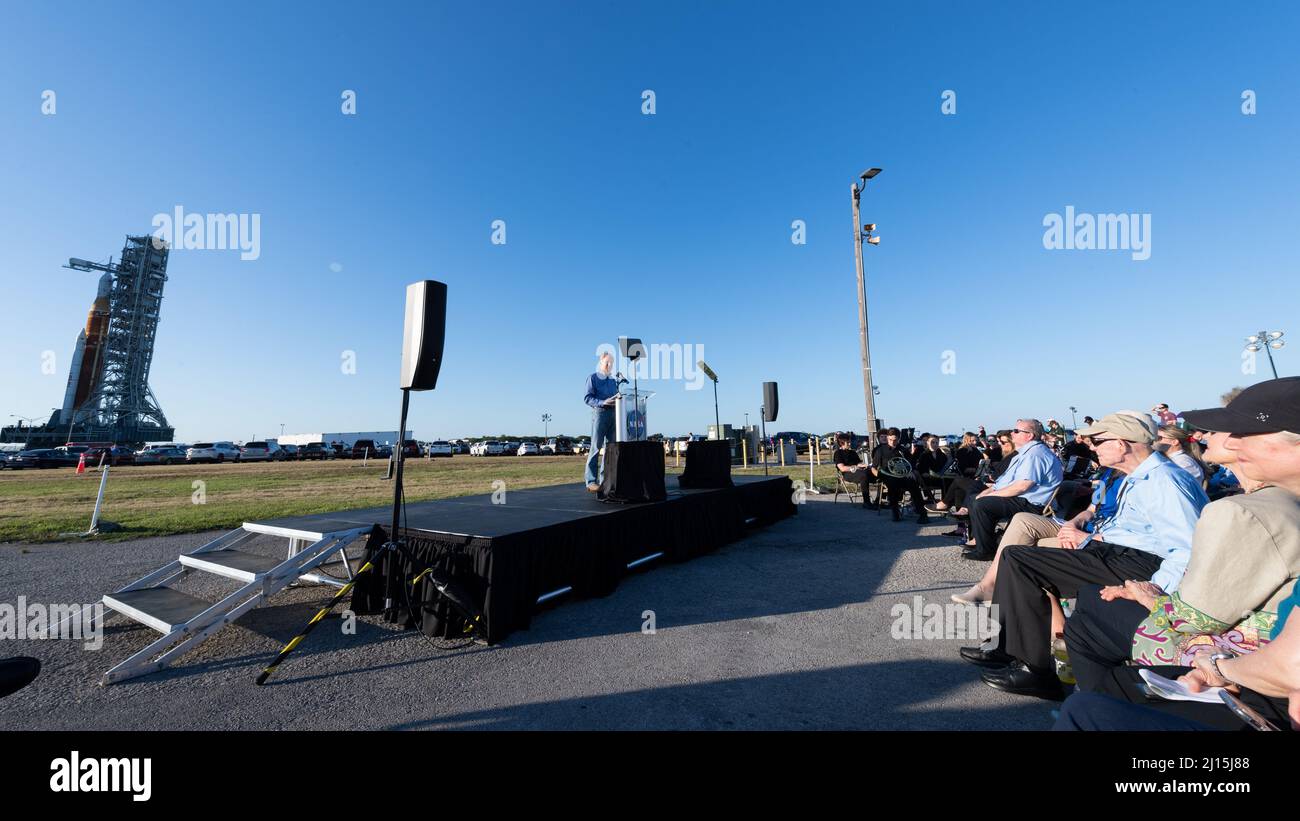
pixel 540 540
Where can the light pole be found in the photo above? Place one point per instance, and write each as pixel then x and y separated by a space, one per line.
pixel 863 233
pixel 1268 340
pixel 1074 421
pixel 29 420
pixel 546 418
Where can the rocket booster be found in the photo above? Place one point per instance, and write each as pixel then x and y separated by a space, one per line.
pixel 87 356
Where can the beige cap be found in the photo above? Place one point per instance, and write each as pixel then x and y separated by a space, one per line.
pixel 1122 426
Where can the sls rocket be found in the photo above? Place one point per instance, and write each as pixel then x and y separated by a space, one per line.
pixel 88 354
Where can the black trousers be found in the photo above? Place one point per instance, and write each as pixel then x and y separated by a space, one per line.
pixel 987 511
pixel 1120 687
pixel 898 486
pixel 1025 614
pixel 859 476
pixel 961 488
pixel 1099 635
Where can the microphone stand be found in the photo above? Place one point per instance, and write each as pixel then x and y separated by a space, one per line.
pixel 763 413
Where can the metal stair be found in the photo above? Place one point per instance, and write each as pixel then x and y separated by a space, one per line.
pixel 185 620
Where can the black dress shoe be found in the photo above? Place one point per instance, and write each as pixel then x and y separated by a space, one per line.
pixel 987 658
pixel 1022 681
pixel 977 556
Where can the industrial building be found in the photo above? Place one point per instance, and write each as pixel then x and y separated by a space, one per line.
pixel 108 398
pixel 379 437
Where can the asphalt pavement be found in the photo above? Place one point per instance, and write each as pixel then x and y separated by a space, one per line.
pixel 799 626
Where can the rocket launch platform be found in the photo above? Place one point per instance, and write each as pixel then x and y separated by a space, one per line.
pixel 108 398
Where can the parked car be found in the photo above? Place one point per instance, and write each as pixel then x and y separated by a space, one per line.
pixel 285 453
pixel 114 456
pixel 439 449
pixel 582 446
pixel 494 449
pixel 41 458
pixel 212 452
pixel 410 449
pixel 313 451
pixel 362 448
pixel 255 452
pixel 528 449
pixel 159 455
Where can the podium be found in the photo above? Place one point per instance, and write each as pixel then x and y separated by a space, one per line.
pixel 629 416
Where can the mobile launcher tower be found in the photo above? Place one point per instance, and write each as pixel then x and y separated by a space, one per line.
pixel 108 398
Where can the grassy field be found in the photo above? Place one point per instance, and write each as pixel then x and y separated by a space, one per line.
pixel 40 505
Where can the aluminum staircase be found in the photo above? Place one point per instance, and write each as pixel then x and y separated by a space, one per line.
pixel 185 620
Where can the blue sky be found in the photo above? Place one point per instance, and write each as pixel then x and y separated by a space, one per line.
pixel 674 227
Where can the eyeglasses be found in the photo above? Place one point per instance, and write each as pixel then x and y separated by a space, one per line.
pixel 1096 443
pixel 1025 432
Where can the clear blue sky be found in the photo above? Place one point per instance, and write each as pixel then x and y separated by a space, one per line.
pixel 673 227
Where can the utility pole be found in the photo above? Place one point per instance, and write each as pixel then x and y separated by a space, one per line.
pixel 868 387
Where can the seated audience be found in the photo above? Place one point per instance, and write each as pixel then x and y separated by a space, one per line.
pixel 1035 529
pixel 1245 555
pixel 955 497
pixel 897 486
pixel 849 463
pixel 968 456
pixel 1181 449
pixel 1028 483
pixel 1148 537
pixel 1267 681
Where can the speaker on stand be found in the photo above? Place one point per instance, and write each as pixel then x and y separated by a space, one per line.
pixel 423 336
pixel 769 411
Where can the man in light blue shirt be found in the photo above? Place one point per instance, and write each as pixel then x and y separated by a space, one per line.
pixel 1148 536
pixel 1027 484
pixel 601 389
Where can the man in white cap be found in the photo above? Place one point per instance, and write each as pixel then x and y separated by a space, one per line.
pixel 1148 537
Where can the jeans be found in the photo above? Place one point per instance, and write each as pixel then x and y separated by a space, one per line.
pixel 602 421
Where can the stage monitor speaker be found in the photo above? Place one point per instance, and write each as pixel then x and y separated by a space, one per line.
pixel 425 331
pixel 769 402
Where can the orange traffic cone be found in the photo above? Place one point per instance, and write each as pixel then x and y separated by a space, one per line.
pixel 81 465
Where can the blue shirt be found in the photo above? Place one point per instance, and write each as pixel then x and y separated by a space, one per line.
pixel 1105 496
pixel 600 388
pixel 1285 608
pixel 1156 512
pixel 1037 463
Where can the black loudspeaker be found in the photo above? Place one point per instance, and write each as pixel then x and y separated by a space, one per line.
pixel 769 402
pixel 425 331
pixel 631 348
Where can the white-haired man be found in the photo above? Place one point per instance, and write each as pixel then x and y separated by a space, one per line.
pixel 601 389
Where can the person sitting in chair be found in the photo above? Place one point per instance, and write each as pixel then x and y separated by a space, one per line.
pixel 849 464
pixel 884 457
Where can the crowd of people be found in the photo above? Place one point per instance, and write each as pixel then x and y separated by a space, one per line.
pixel 1147 544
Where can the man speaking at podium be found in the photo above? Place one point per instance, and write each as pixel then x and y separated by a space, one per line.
pixel 601 388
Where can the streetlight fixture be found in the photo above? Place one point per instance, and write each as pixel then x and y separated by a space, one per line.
pixel 1074 421
pixel 864 233
pixel 29 420
pixel 1268 341
pixel 546 418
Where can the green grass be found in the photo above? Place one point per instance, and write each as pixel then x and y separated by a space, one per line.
pixel 41 505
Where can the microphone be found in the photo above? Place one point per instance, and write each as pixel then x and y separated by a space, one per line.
pixel 622 380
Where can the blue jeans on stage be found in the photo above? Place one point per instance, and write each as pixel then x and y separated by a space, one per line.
pixel 602 422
